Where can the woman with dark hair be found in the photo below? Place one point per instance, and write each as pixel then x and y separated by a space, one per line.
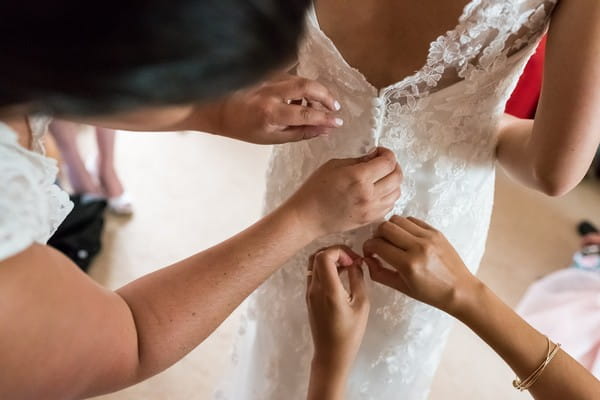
pixel 150 65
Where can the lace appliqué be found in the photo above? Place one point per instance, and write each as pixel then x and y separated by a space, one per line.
pixel 31 206
pixel 440 123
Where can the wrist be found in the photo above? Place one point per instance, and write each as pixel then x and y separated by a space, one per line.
pixel 220 116
pixel 334 366
pixel 306 218
pixel 327 381
pixel 210 117
pixel 298 221
pixel 469 300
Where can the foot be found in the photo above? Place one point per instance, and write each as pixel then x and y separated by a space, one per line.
pixel 119 201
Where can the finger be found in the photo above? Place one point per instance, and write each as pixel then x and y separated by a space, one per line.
pixel 317 106
pixel 302 133
pixel 389 201
pixel 326 270
pixel 421 223
pixel 382 165
pixel 394 255
pixel 369 156
pixel 354 256
pixel 383 275
pixel 390 183
pixel 396 235
pixel 382 209
pixel 294 115
pixel 409 226
pixel 343 256
pixel 308 89
pixel 356 279
pixel 347 256
pixel 309 272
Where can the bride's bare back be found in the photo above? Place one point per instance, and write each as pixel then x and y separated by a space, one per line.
pixel 387 40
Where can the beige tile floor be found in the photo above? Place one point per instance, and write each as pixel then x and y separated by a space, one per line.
pixel 195 190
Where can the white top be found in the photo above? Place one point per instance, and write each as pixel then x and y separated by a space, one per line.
pixel 440 122
pixel 32 206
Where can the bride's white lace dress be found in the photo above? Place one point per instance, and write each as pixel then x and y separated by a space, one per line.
pixel 440 123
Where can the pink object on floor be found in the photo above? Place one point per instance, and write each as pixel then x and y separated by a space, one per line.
pixel 565 305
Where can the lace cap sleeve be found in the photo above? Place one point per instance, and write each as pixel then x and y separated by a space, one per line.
pixel 31 206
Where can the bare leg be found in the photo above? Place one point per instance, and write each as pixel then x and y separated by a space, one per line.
pixel 119 201
pixel 106 163
pixel 65 134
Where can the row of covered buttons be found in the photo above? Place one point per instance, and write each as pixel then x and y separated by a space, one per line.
pixel 378 109
pixel 377 113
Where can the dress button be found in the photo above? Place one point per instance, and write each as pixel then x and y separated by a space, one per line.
pixel 373 121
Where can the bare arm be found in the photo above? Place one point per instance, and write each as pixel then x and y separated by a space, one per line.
pixel 65 337
pixel 261 114
pixel 63 325
pixel 524 348
pixel 338 319
pixel 427 268
pixel 552 153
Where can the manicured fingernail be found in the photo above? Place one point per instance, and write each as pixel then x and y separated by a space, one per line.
pixel 339 121
pixel 337 106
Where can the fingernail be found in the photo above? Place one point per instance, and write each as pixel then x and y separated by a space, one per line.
pixel 337 106
pixel 339 122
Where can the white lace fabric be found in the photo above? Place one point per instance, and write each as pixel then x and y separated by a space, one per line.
pixel 440 122
pixel 31 205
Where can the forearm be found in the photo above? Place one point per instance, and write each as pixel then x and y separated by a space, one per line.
pixel 523 348
pixel 176 308
pixel 205 117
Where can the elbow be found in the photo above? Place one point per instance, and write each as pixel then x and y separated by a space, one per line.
pixel 554 185
pixel 553 190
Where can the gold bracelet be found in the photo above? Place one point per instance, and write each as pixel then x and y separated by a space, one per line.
pixel 532 379
pixel 518 384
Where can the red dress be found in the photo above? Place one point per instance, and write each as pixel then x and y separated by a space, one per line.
pixel 524 100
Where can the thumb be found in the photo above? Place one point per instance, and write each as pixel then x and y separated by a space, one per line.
pixel 300 133
pixel 357 281
pixel 369 156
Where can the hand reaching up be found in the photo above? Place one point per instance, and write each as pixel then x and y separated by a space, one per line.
pixel 338 318
pixel 425 265
pixel 273 112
